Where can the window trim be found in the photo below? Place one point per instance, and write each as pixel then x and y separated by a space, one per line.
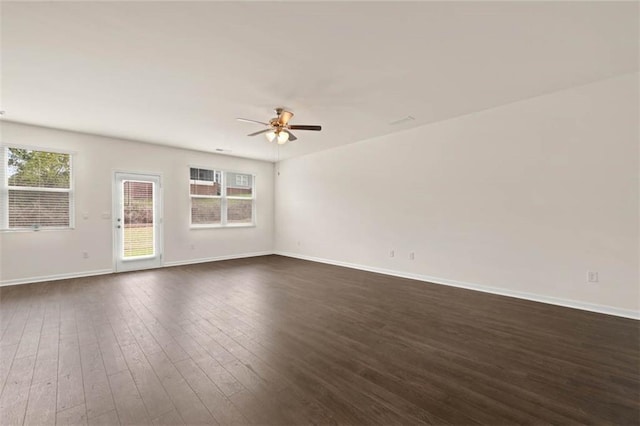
pixel 4 190
pixel 223 200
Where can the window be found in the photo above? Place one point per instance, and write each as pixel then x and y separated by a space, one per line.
pixel 239 198
pixel 206 175
pixel 220 198
pixel 242 180
pixel 37 190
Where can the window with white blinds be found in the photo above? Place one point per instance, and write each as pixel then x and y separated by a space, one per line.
pixel 138 212
pixel 37 189
pixel 220 198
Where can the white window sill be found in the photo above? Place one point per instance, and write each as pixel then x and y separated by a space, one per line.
pixel 233 225
pixel 47 229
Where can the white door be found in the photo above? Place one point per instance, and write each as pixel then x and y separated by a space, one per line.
pixel 137 221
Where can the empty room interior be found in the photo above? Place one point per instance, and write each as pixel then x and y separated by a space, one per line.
pixel 291 213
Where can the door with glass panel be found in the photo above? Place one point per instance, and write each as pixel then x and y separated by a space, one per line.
pixel 137 221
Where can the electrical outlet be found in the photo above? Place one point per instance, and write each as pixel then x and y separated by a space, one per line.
pixel 412 256
pixel 392 253
pixel 592 276
pixel 85 254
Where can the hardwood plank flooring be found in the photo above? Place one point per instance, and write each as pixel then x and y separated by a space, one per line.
pixel 279 341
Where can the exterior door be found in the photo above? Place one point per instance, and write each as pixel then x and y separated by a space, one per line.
pixel 137 221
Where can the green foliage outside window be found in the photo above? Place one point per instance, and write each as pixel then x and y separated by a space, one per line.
pixel 38 168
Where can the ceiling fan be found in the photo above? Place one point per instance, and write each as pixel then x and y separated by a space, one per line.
pixel 279 129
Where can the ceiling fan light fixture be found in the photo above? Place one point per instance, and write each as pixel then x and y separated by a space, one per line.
pixel 283 137
pixel 271 135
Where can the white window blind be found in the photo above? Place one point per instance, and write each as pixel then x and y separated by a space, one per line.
pixel 220 198
pixel 37 189
pixel 137 199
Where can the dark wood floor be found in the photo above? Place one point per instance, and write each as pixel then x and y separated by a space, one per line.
pixel 273 340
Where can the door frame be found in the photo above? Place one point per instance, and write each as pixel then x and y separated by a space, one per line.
pixel 158 217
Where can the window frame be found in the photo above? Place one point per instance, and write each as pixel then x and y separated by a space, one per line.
pixel 223 200
pixel 4 190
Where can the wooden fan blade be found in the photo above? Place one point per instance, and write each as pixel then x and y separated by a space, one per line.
pixel 284 118
pixel 292 137
pixel 258 132
pixel 304 127
pixel 252 121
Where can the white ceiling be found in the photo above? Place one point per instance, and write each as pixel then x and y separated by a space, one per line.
pixel 179 73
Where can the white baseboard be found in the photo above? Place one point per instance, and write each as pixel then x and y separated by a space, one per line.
pixel 603 309
pixel 216 258
pixel 31 280
pixel 609 310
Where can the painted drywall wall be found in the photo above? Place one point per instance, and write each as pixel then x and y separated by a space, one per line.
pixel 28 256
pixel 525 198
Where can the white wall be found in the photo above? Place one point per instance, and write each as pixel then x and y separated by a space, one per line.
pixel 525 198
pixel 28 256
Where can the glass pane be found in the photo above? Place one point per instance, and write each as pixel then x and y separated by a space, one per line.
pixel 205 182
pixel 239 211
pixel 38 169
pixel 138 219
pixel 206 211
pixel 38 209
pixel 239 185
